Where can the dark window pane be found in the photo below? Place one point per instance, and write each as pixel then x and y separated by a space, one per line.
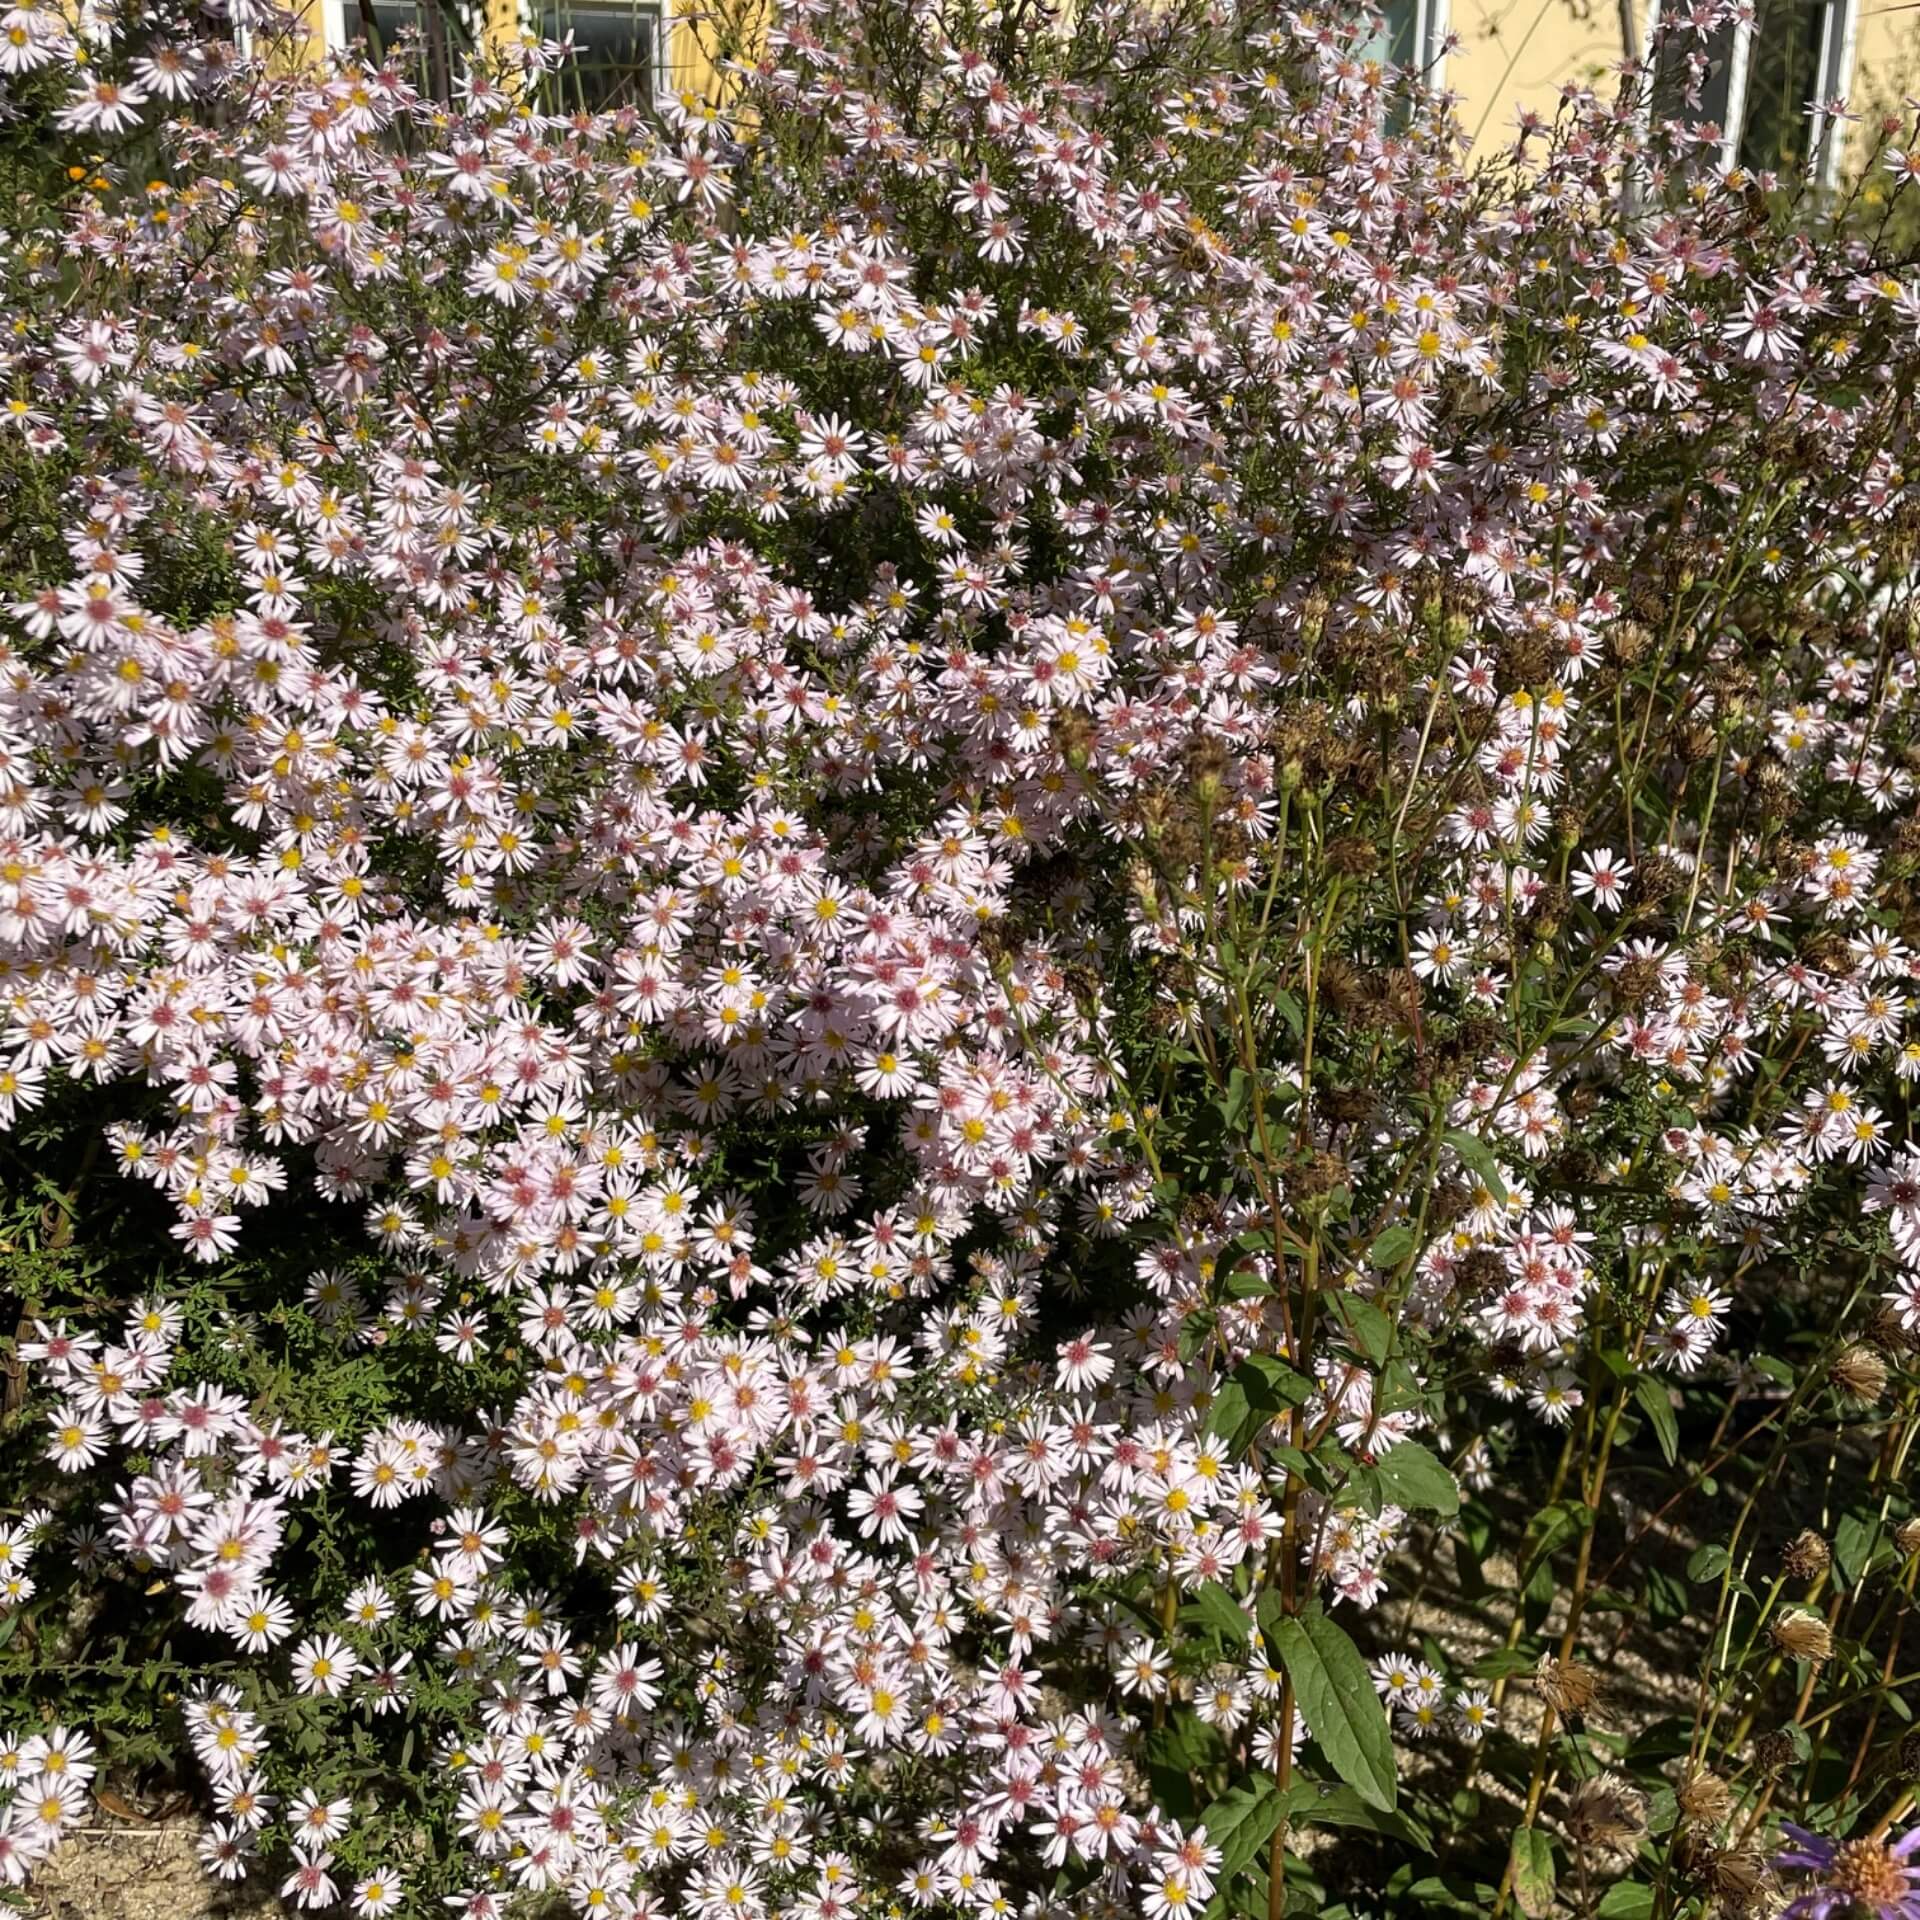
pixel 1784 62
pixel 613 54
pixel 1673 74
pixel 389 21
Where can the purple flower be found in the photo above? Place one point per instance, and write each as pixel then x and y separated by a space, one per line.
pixel 1856 1876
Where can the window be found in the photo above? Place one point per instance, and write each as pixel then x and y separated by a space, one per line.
pixel 1765 83
pixel 445 34
pixel 1411 34
pixel 618 46
pixel 1799 53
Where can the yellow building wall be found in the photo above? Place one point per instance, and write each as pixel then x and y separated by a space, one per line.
pixel 1520 53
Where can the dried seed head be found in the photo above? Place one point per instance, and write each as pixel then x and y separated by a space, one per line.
pixel 1772 1751
pixel 1705 1800
pixel 1889 1332
pixel 1801 1635
pixel 1655 878
pixel 1629 640
pixel 1565 1685
pixel 1860 1373
pixel 1805 1557
pixel 1634 984
pixel 1906 1536
pixel 1739 1881
pixel 1353 854
pixel 1606 1814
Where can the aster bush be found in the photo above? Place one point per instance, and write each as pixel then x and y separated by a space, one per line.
pixel 978 984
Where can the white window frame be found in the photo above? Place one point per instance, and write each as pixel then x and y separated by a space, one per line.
pixel 1826 137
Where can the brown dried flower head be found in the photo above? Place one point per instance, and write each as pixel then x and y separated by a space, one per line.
pixel 1806 1556
pixel 1801 1634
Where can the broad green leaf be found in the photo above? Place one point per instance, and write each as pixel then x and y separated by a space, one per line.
pixel 1707 1563
pixel 1336 1694
pixel 1194 1330
pixel 1281 1383
pixel 1186 1742
pixel 1319 1803
pixel 1369 1329
pixel 1654 1400
pixel 1533 1876
pixel 1222 1612
pixel 1231 1411
pixel 1854 1542
pixel 1186 1745
pixel 1391 1247
pixel 1629 1900
pixel 1259 1389
pixel 1411 1477
pixel 1241 1822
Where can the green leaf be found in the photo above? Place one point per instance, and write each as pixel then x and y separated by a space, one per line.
pixel 1370 1329
pixel 1854 1542
pixel 1336 1694
pixel 1629 1900
pixel 1319 1803
pixel 1411 1477
pixel 1194 1330
pixel 1707 1563
pixel 1391 1247
pixel 1531 1858
pixel 1655 1402
pixel 1551 1529
pixel 1288 1008
pixel 1186 1745
pixel 1245 1403
pixel 1477 1157
pixel 1241 1822
pixel 1222 1612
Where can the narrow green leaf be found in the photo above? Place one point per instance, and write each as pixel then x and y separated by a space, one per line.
pixel 1652 1394
pixel 1477 1157
pixel 1336 1694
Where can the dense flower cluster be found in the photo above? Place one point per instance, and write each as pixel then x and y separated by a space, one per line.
pixel 583 653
